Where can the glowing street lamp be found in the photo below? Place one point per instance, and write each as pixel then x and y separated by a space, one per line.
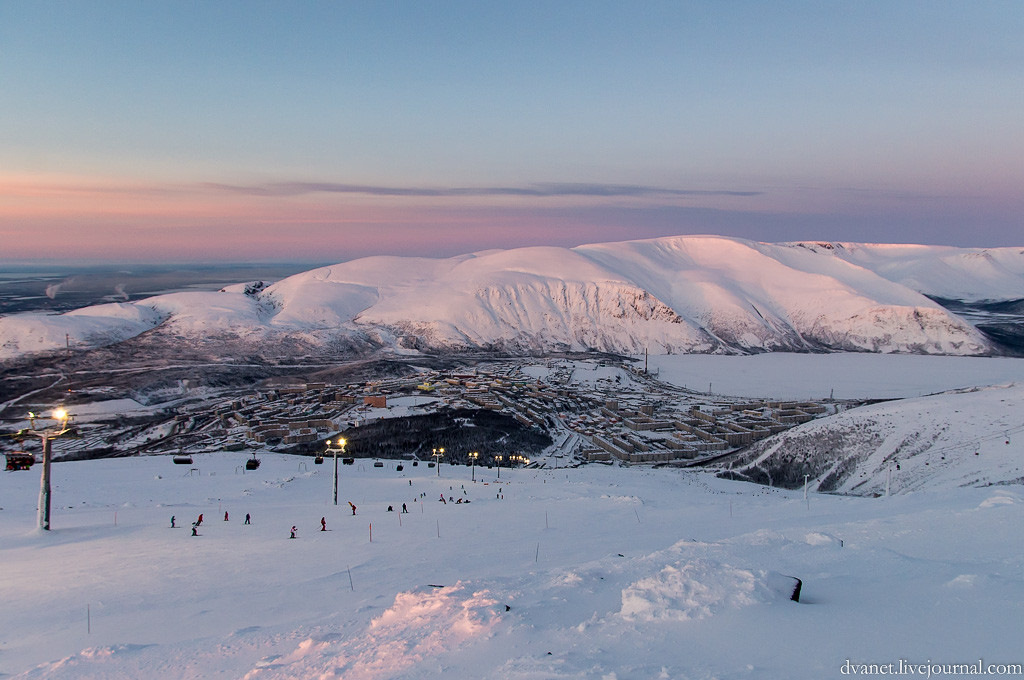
pixel 437 455
pixel 47 434
pixel 498 460
pixel 330 449
pixel 472 457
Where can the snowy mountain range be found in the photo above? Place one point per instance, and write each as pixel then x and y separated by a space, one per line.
pixel 687 294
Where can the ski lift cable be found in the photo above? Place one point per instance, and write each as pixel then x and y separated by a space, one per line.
pixel 975 443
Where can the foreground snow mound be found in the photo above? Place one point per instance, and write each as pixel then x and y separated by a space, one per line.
pixel 419 625
pixel 691 591
pixel 688 294
pixel 970 437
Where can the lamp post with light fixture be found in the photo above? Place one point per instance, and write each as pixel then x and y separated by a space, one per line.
pixel 472 457
pixel 334 450
pixel 47 434
pixel 437 455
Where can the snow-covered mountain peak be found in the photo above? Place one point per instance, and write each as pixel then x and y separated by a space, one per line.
pixel 676 294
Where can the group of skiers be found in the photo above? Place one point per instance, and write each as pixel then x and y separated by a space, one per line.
pixel 295 528
pixel 248 520
pixel 323 520
pixel 451 498
pixel 199 522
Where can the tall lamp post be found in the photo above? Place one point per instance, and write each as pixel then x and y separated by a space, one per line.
pixel 47 434
pixel 498 459
pixel 437 455
pixel 472 457
pixel 334 450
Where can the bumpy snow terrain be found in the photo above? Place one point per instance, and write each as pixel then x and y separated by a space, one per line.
pixel 672 295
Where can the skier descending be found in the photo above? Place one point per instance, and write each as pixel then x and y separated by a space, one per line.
pixel 323 524
pixel 293 531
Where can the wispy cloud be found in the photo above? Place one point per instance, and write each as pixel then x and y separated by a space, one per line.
pixel 542 189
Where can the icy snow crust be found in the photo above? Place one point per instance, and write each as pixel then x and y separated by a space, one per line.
pixel 693 294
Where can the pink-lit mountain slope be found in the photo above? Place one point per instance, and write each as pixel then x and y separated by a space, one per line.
pixel 668 295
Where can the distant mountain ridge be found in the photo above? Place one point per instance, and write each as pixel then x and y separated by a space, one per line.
pixel 706 294
pixel 965 274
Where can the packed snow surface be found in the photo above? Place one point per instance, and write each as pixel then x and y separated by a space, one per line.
pixel 593 572
pixel 704 294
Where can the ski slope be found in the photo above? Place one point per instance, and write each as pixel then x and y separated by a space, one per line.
pixel 594 572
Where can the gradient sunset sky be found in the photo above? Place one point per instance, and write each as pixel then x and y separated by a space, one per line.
pixel 322 131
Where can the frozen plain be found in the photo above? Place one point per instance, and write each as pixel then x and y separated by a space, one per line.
pixel 591 572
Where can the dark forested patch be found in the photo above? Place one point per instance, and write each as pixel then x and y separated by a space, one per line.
pixel 458 432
